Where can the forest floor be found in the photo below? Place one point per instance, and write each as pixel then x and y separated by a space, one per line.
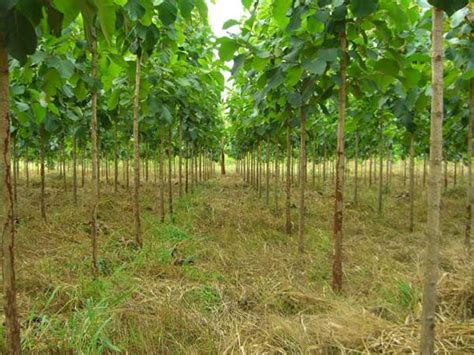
pixel 221 276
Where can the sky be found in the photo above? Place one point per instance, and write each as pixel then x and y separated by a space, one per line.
pixel 222 11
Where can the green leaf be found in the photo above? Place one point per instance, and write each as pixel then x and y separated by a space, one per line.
pixel 387 66
pixel 238 63
pixel 328 54
pixel 55 21
pixel 134 9
pixel 449 6
pixel 230 23
pixel 362 8
pixel 32 9
pixel 247 3
pixel 64 67
pixel 280 9
pixel 21 36
pixel 201 6
pixel 70 10
pixel 186 7
pixel 293 75
pixel 168 12
pixel 227 48
pixel 106 16
pixel 316 66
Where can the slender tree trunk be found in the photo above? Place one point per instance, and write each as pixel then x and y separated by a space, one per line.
pixel 339 205
pixel 412 182
pixel 469 192
pixel 180 159
pixel 116 170
pixel 356 170
pixel 170 182
pixel 162 177
pixel 42 173
pixel 83 167
pixel 27 169
pixel 74 169
pixel 12 327
pixel 15 172
pixel 95 165
pixel 277 179
pixel 136 155
pixel 428 316
pixel 186 179
pixel 446 173
pixel 302 180
pixel 267 176
pixel 222 157
pixel 381 154
pixel 424 170
pixel 288 178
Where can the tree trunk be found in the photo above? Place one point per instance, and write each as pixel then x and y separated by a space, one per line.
pixel 116 172
pixel 412 182
pixel 186 173
pixel 42 173
pixel 339 205
pixel 267 176
pixel 15 172
pixel 469 192
pixel 74 169
pixel 136 155
pixel 288 178
pixel 302 180
pixel 356 170
pixel 222 158
pixel 162 177
pixel 95 165
pixel 428 316
pixel 381 154
pixel 12 327
pixel 180 159
pixel 170 182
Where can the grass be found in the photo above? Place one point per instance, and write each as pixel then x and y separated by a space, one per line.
pixel 222 276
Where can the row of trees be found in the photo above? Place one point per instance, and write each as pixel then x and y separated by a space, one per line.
pixel 367 63
pixel 110 80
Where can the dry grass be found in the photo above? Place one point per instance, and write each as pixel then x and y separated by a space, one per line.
pixel 234 283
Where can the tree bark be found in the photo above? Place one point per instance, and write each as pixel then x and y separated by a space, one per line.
pixel 302 176
pixel 12 327
pixel 42 173
pixel 162 177
pixel 288 178
pixel 428 316
pixel 381 154
pixel 74 169
pixel 470 192
pixel 180 159
pixel 95 165
pixel 356 170
pixel 267 176
pixel 170 182
pixel 412 182
pixel 116 172
pixel 339 205
pixel 136 155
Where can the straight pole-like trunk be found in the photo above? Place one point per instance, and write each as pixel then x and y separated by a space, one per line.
pixel 42 173
pixel 469 192
pixel 302 176
pixel 170 182
pixel 136 155
pixel 116 170
pixel 339 204
pixel 381 154
pixel 288 179
pixel 412 182
pixel 180 159
pixel 74 169
pixel 12 327
pixel 433 233
pixel 162 177
pixel 267 176
pixel 356 170
pixel 95 165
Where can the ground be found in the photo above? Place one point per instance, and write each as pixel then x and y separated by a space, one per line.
pixel 221 276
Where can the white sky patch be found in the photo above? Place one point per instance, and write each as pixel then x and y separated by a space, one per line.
pixel 219 12
pixel 222 11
